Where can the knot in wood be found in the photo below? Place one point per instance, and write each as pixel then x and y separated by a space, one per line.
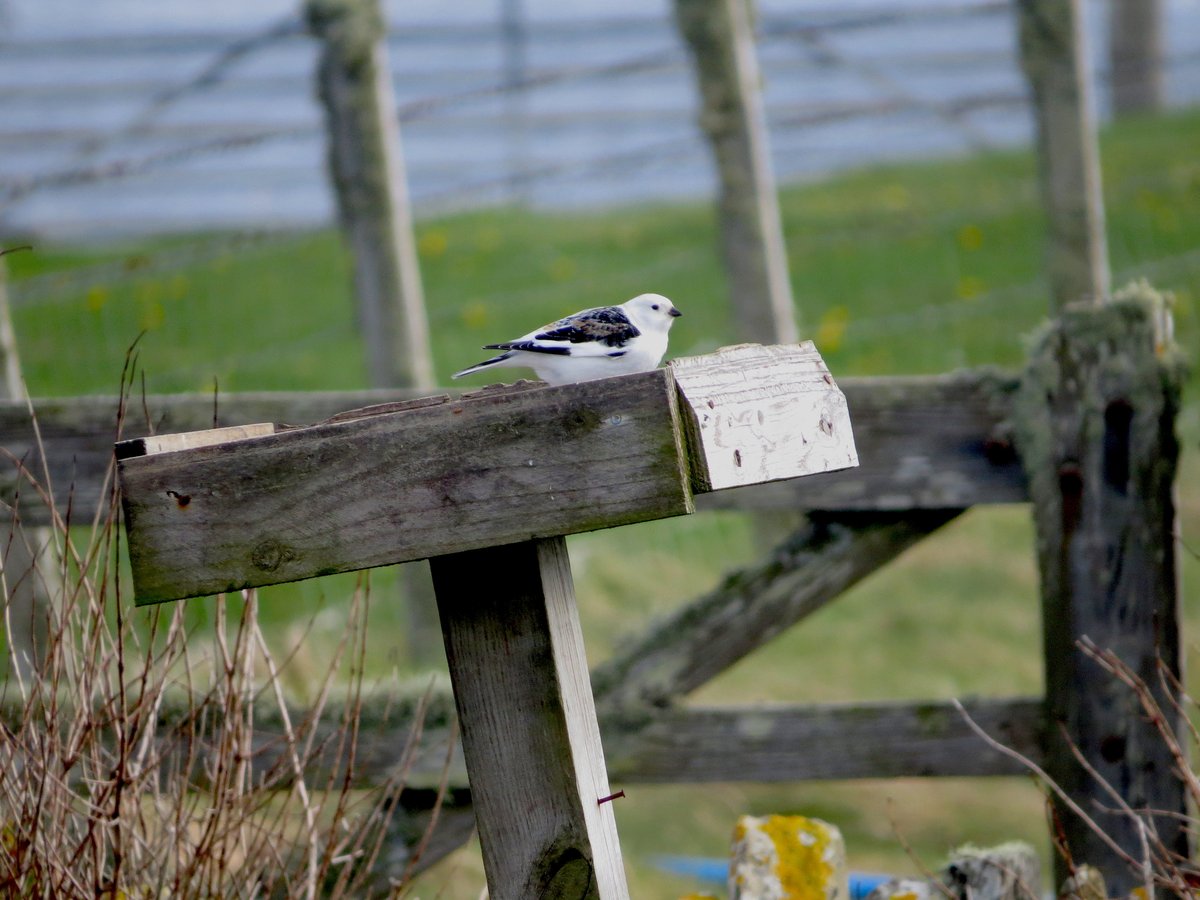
pixel 270 554
pixel 569 875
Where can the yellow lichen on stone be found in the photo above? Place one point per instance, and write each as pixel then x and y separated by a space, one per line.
pixel 796 858
pixel 801 846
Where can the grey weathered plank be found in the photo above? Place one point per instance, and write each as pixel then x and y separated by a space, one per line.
pixel 761 413
pixel 491 469
pixel 529 729
pixel 812 741
pixel 703 638
pixel 937 441
pixel 77 434
pixel 1097 432
pixel 930 442
pixel 793 743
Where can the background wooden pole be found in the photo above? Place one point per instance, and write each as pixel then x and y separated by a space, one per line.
pixel 529 731
pixel 721 40
pixel 367 166
pixel 30 571
pixel 1054 57
pixel 1135 56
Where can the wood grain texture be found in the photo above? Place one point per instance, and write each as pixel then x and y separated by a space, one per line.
pixel 758 414
pixel 77 434
pixel 498 468
pixel 751 606
pixel 191 440
pixel 794 743
pixel 929 442
pixel 529 730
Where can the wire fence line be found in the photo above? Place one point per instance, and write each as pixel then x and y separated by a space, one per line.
pixel 152 143
pixel 574 138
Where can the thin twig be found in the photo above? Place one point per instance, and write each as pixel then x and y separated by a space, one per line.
pixel 1045 777
pixel 916 860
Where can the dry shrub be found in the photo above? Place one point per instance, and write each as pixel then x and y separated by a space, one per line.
pixel 138 762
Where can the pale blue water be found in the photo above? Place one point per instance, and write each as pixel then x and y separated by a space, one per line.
pixel 71 71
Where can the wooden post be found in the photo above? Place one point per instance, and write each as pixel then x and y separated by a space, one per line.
pixel 732 116
pixel 28 585
pixel 24 598
pixel 528 723
pixel 1054 57
pixel 367 165
pixel 1095 425
pixel 1135 56
pixel 487 485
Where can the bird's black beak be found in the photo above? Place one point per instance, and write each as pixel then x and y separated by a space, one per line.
pixel 674 312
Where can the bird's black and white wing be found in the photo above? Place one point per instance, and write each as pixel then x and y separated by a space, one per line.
pixel 604 330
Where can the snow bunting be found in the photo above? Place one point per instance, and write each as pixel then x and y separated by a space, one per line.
pixel 593 343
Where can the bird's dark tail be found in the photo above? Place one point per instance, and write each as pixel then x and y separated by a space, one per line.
pixel 482 365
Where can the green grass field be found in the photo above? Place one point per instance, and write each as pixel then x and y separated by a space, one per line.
pixel 902 269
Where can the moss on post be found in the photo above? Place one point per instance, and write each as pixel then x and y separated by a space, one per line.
pixel 1095 427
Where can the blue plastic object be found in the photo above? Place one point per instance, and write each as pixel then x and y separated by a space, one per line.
pixel 717 870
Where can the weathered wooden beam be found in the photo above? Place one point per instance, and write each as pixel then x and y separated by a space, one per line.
pixel 797 743
pixel 923 442
pixel 495 468
pixel 929 442
pixel 73 438
pixel 1096 429
pixel 703 638
pixel 503 465
pixel 529 729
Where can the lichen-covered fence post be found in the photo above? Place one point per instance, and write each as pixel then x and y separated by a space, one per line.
pixel 1095 425
pixel 486 486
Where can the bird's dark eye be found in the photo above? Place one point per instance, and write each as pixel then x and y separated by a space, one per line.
pixel 655 306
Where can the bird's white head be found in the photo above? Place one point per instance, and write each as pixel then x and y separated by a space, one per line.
pixel 652 312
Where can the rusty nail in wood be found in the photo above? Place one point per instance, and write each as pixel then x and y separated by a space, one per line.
pixel 610 798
